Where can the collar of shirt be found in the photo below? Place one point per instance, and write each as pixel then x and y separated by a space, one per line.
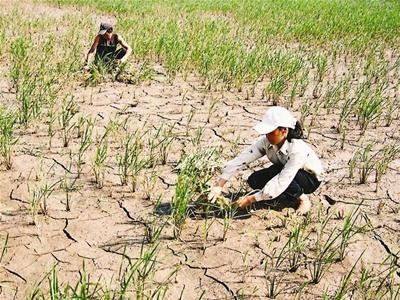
pixel 283 149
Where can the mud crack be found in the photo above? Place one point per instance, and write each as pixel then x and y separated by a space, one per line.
pixel 68 235
pixel 389 251
pixel 15 274
pixel 205 269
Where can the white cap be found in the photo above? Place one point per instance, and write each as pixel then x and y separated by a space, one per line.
pixel 275 117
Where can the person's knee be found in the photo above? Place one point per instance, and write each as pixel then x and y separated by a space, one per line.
pixel 294 191
pixel 255 182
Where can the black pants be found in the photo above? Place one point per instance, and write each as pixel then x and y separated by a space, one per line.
pixel 118 54
pixel 303 182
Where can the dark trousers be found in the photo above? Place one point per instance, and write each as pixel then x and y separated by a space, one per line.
pixel 303 182
pixel 118 54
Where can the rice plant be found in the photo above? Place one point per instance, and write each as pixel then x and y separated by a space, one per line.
pixel 153 230
pixel 370 104
pixel 293 250
pixel 274 284
pixel 344 115
pixel 99 162
pixel 131 161
pixel 139 274
pixel 345 281
pixel 85 142
pixel 38 198
pixel 167 136
pixel 7 140
pixel 68 110
pixel 149 183
pixel 52 117
pixel 195 171
pixel 365 161
pixel 386 156
pixel 323 260
pixel 325 253
pixel 347 232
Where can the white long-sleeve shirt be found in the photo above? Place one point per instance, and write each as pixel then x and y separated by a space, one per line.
pixel 294 155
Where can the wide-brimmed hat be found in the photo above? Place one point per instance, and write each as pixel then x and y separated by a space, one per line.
pixel 275 117
pixel 104 26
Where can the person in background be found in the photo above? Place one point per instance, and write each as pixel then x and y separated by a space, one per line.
pixel 295 171
pixel 105 47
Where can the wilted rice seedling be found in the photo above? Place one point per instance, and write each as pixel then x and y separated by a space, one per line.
pixel 365 161
pixel 274 284
pixel 167 136
pixel 52 117
pixel 99 160
pixel 324 259
pixel 38 198
pixel 293 251
pixel 229 211
pixel 149 182
pixel 131 162
pixel 195 171
pixel 138 276
pixel 348 231
pixel 344 115
pixel 85 142
pixel 325 254
pixel 153 229
pixel 370 104
pixel 343 289
pixel 20 50
pixel 212 108
pixel 68 111
pixel 276 88
pixel 386 155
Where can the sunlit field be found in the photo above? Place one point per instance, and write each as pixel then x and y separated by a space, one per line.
pixel 105 174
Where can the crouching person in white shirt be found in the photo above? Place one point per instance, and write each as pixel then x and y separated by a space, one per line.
pixel 295 172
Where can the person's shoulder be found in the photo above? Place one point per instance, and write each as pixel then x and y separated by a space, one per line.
pixel 117 37
pixel 298 145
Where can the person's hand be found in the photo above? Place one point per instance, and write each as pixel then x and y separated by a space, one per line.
pixel 217 190
pixel 246 201
pixel 214 193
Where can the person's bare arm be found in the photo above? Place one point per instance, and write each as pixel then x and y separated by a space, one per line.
pixel 92 50
pixel 125 45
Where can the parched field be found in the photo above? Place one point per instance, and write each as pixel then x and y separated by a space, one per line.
pixel 104 174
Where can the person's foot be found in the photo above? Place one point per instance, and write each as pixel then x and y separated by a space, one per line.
pixel 304 205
